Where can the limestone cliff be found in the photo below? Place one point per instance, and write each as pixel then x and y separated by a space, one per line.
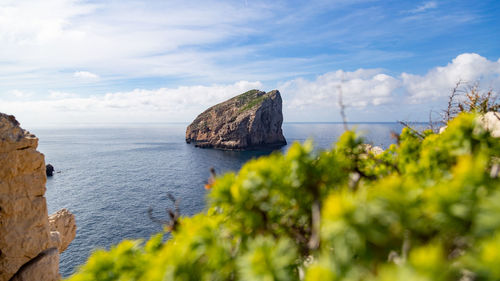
pixel 29 243
pixel 249 121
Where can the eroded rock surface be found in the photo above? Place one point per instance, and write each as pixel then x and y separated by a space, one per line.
pixel 44 267
pixel 249 121
pixel 64 223
pixel 24 223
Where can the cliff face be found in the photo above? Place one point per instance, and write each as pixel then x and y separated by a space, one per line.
pixel 249 121
pixel 29 243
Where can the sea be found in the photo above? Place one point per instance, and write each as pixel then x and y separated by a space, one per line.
pixel 110 175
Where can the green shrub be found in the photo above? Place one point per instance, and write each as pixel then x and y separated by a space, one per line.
pixel 424 209
pixel 251 103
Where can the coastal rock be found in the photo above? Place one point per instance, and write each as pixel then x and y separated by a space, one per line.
pixel 64 223
pixel 49 170
pixel 249 121
pixel 491 122
pixel 24 223
pixel 43 267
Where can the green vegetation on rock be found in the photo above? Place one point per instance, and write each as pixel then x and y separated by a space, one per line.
pixel 426 208
pixel 250 99
pixel 253 103
pixel 247 96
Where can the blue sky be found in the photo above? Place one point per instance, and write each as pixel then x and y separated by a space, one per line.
pixel 165 61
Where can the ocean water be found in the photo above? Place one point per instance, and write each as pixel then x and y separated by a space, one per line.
pixel 110 176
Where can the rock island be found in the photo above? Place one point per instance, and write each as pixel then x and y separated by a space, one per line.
pixel 251 120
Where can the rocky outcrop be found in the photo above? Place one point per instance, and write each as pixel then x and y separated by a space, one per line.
pixel 490 121
pixel 28 248
pixel 49 170
pixel 45 266
pixel 63 223
pixel 249 121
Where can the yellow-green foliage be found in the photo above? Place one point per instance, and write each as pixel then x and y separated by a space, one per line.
pixel 425 209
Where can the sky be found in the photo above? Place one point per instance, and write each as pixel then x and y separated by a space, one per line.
pixel 79 62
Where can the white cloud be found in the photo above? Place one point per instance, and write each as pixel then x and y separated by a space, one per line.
pixel 32 22
pixel 157 39
pixel 85 75
pixel 371 87
pixel 359 88
pixel 424 7
pixel 468 68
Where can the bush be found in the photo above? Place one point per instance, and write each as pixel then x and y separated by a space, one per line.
pixel 424 209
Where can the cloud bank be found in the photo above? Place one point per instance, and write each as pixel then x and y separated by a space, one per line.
pixel 140 105
pixel 372 87
pixel 467 68
pixel 362 90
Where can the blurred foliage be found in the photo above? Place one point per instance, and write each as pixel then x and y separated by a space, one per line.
pixel 424 209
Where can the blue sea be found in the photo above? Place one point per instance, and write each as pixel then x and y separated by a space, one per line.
pixel 110 176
